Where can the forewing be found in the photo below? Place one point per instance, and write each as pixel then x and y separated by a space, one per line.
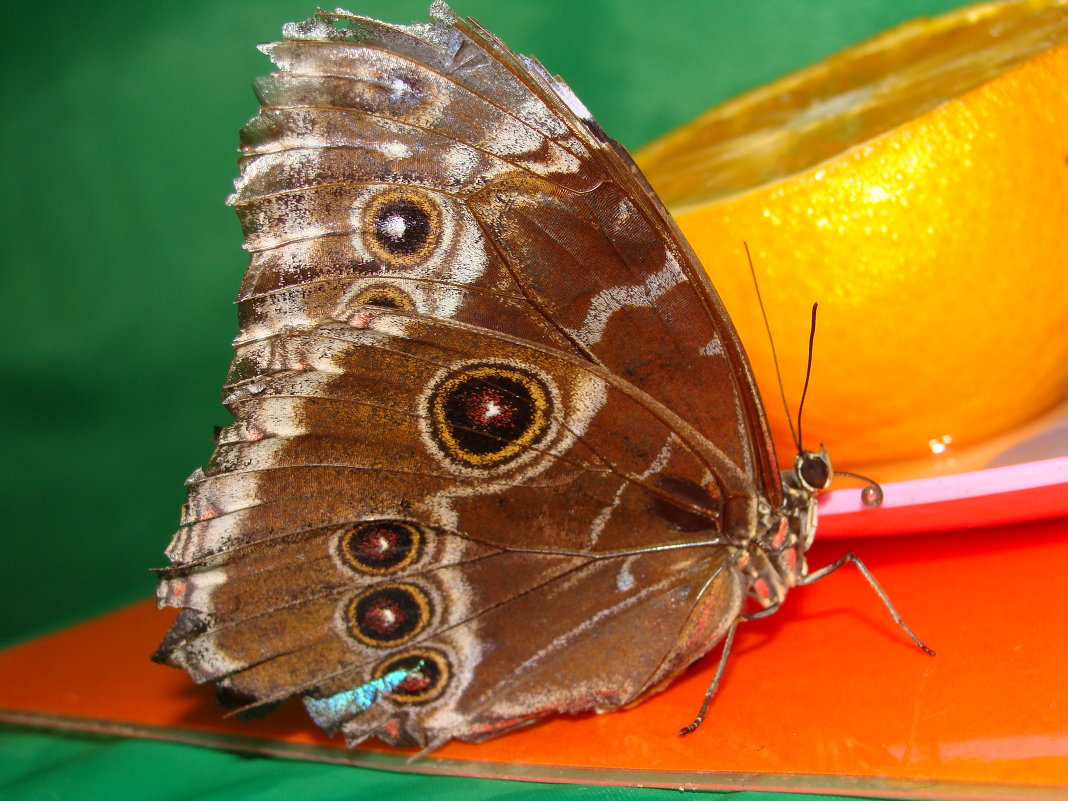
pixel 523 217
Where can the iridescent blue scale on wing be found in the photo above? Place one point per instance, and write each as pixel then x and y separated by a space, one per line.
pixel 330 712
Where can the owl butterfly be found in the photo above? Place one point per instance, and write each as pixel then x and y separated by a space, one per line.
pixel 497 451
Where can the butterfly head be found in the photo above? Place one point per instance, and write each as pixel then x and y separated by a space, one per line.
pixel 813 470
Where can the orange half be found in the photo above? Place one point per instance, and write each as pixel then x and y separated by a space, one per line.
pixel 916 186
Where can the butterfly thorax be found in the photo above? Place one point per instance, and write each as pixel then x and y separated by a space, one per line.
pixel 775 558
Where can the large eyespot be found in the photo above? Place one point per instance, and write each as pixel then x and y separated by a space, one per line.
pixel 401 227
pixel 428 675
pixel 487 414
pixel 379 546
pixel 388 296
pixel 388 614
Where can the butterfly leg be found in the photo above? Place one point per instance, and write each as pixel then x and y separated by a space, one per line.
pixel 863 568
pixel 711 691
pixel 728 641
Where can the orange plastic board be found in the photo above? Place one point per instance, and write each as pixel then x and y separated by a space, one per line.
pixel 827 695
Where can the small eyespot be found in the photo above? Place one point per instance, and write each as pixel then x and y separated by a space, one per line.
pixel 486 415
pixel 401 227
pixel 429 674
pixel 379 547
pixel 387 296
pixel 388 615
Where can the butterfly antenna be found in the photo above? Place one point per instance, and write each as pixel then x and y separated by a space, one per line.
pixel 774 356
pixel 808 374
pixel 872 495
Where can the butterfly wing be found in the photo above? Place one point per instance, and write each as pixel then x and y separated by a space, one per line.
pixel 534 223
pixel 472 389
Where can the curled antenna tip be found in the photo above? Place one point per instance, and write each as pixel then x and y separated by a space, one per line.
pixel 872 495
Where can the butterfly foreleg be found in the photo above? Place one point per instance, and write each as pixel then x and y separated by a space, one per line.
pixel 864 571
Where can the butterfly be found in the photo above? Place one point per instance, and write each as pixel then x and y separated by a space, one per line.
pixel 497 450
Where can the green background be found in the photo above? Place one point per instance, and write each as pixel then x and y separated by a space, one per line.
pixel 120 262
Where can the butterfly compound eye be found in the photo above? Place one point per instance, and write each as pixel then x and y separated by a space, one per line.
pixel 814 470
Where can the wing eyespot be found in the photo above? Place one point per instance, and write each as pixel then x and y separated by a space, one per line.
pixel 388 615
pixel 401 227
pixel 387 296
pixel 429 674
pixel 486 415
pixel 380 547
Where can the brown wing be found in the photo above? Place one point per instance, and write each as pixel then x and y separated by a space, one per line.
pixel 522 217
pixel 474 388
pixel 345 525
